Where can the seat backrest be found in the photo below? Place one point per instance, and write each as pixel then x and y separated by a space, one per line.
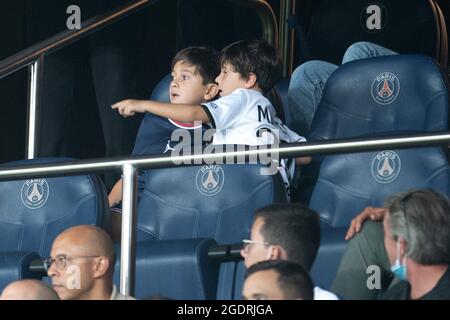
pixel 379 96
pixel 403 93
pixel 161 91
pixel 349 183
pixel 405 26
pixel 176 269
pixel 212 201
pixel 34 211
pixel 15 265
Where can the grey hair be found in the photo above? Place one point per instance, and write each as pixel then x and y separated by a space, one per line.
pixel 422 219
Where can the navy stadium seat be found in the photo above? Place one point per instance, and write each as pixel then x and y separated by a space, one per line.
pixel 176 269
pixel 354 105
pixel 214 201
pixel 351 105
pixel 33 212
pixel 206 202
pixel 281 89
pixel 161 91
pixel 348 183
pixel 14 266
pixel 332 246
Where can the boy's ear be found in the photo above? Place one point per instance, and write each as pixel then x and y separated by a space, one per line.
pixel 251 80
pixel 211 91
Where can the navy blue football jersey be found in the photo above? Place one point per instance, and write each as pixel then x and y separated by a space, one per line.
pixel 154 135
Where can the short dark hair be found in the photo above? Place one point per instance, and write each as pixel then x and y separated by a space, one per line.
pixel 253 56
pixel 293 280
pixel 205 60
pixel 295 228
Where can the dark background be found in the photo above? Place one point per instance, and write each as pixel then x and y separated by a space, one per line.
pixel 160 38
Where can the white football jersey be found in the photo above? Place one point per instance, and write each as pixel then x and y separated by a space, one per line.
pixel 247 117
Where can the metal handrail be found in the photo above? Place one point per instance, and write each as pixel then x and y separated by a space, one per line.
pixel 130 165
pixel 95 166
pixel 64 38
pixel 67 37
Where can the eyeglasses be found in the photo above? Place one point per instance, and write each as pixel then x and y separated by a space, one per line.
pixel 249 243
pixel 61 261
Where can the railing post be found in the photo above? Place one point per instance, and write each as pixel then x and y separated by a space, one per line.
pixel 287 8
pixel 128 244
pixel 35 76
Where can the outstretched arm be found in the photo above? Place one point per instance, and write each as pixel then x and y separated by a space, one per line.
pixel 178 112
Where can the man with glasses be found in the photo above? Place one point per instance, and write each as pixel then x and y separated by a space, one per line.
pixel 81 265
pixel 285 232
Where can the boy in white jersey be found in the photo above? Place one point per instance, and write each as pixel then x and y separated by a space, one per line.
pixel 242 115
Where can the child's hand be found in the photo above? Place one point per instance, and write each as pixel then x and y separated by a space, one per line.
pixel 302 160
pixel 128 108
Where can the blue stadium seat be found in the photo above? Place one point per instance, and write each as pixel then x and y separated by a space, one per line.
pixel 351 105
pixel 282 88
pixel 214 201
pixel 177 269
pixel 349 183
pixel 161 91
pixel 206 202
pixel 357 108
pixel 15 266
pixel 33 212
pixel 384 96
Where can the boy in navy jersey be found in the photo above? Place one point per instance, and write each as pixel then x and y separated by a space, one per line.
pixel 194 71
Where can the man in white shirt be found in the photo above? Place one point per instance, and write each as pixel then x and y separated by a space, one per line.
pixel 277 280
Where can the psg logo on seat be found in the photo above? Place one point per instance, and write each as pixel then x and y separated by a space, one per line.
pixel 385 88
pixel 210 180
pixel 35 193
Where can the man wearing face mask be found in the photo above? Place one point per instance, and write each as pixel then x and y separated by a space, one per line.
pixel 417 240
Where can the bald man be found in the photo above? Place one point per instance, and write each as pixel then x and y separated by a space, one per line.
pixel 81 265
pixel 28 290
